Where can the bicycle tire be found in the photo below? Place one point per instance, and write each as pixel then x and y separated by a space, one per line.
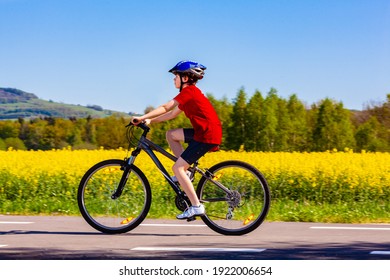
pixel 249 203
pixel 110 215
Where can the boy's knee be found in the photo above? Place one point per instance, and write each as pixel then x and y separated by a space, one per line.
pixel 174 168
pixel 180 164
pixel 177 167
pixel 174 134
pixel 168 134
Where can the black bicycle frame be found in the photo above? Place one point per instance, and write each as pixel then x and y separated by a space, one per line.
pixel 148 146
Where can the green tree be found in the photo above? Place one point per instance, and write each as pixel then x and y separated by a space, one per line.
pixel 254 123
pixel 332 127
pixel 270 121
pixel 111 133
pixel 33 133
pixel 2 145
pixel 88 130
pixel 14 143
pixel 236 132
pixel 9 129
pixel 283 124
pixel 382 113
pixel 297 129
pixel 368 136
pixel 65 131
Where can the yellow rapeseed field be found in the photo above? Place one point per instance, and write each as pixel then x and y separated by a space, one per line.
pixel 355 169
pixel 320 177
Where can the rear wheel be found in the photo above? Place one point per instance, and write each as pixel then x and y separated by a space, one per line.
pixel 243 207
pixel 108 214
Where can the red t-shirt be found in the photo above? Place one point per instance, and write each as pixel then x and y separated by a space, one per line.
pixel 204 119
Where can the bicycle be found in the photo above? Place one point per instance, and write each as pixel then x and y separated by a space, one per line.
pixel 114 196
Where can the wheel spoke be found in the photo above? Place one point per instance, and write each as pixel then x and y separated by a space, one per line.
pixel 246 205
pixel 113 215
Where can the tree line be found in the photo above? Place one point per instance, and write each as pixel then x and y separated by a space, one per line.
pixel 253 123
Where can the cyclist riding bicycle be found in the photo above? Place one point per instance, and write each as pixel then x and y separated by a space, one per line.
pixel 205 134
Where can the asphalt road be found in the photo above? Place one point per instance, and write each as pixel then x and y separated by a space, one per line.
pixel 57 237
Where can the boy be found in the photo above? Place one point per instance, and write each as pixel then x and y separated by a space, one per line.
pixel 205 135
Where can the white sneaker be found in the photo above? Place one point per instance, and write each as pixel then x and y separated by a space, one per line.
pixel 174 179
pixel 191 212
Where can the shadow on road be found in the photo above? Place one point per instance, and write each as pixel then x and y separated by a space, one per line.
pixel 356 251
pixel 11 232
pixel 40 232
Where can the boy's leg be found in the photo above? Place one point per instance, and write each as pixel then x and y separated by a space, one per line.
pixel 179 168
pixel 174 137
pixel 194 151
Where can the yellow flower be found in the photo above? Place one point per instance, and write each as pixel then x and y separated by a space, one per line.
pixel 365 170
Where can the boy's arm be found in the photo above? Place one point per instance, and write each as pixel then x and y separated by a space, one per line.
pixel 167 116
pixel 162 110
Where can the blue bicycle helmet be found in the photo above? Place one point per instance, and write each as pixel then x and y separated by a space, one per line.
pixel 195 69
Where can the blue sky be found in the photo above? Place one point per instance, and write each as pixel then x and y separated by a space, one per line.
pixel 116 53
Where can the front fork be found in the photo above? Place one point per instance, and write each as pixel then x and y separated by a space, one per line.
pixel 126 173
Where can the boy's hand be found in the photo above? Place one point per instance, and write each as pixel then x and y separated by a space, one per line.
pixel 137 121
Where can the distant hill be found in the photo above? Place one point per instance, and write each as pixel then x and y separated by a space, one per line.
pixel 15 103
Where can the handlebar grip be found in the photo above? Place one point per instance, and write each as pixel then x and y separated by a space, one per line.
pixel 132 122
pixel 138 123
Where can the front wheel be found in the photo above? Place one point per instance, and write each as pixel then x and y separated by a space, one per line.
pixel 108 213
pixel 244 203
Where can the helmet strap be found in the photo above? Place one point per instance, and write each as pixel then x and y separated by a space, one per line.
pixel 190 81
pixel 181 81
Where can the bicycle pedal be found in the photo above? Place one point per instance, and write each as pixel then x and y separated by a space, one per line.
pixel 191 219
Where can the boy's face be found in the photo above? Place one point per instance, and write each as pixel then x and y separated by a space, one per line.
pixel 178 81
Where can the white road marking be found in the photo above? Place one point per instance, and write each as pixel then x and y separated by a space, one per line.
pixel 171 225
pixel 16 223
pixel 193 249
pixel 352 228
pixel 380 253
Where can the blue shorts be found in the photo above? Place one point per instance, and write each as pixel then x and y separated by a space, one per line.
pixel 195 149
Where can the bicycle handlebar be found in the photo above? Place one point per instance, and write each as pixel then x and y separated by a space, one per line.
pixel 141 125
